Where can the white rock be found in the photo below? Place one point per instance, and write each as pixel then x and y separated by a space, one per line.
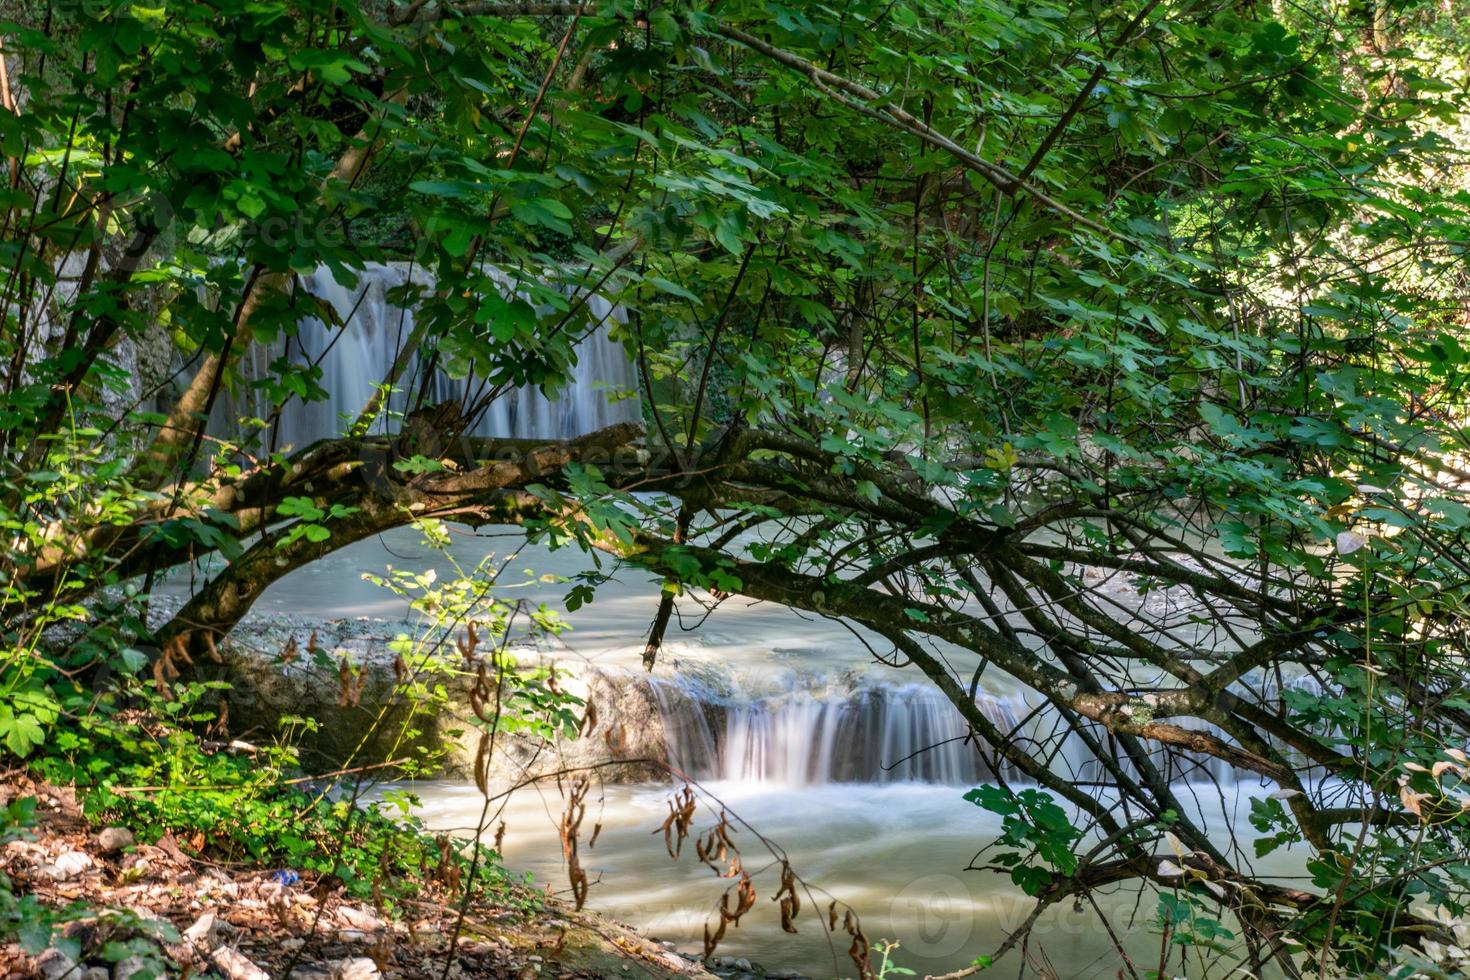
pixel 358 919
pixel 128 967
pixel 53 964
pixel 201 933
pixel 236 965
pixel 355 968
pixel 114 839
pixel 68 865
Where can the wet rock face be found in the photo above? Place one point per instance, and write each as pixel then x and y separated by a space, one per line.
pixel 419 709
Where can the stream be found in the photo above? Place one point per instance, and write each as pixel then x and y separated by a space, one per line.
pixel 856 770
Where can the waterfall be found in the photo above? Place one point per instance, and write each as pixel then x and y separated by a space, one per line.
pixel 601 388
pixel 806 737
pixel 815 730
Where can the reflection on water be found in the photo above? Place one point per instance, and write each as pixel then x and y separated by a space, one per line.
pixel 896 852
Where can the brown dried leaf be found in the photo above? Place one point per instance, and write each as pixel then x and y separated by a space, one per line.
pixel 787 914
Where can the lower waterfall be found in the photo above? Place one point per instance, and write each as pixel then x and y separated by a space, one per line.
pixel 812 730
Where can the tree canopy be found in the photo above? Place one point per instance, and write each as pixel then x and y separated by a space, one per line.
pixel 965 310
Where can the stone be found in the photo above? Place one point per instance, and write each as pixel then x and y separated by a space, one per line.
pixel 262 693
pixel 97 973
pixel 129 967
pixel 355 968
pixel 236 965
pixel 672 961
pixel 53 964
pixel 201 933
pixel 742 965
pixel 66 866
pixel 114 839
pixel 355 918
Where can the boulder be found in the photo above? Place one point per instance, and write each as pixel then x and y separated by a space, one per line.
pixel 626 743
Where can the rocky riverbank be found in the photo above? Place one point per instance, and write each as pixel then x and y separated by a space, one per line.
pixel 145 910
pixel 286 667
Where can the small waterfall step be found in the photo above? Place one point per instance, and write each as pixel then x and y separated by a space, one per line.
pixel 814 730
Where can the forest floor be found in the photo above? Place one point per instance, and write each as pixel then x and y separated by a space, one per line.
pixel 192 917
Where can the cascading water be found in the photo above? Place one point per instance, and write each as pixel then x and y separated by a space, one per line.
pixel 353 359
pixel 813 730
pixel 823 732
pixel 800 736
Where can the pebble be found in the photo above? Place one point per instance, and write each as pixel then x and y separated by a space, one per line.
pixel 742 965
pixel 128 967
pixel 236 965
pixel 54 964
pixel 358 919
pixel 97 973
pixel 201 933
pixel 68 865
pixel 356 968
pixel 114 839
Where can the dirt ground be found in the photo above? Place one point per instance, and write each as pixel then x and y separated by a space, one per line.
pixel 251 924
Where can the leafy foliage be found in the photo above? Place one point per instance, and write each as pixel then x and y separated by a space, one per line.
pixel 953 320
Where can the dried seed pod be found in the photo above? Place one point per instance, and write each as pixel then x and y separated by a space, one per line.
pixel 570 827
pixel 712 940
pixel 350 683
pixel 788 913
pixel 578 879
pixel 482 764
pixel 617 741
pixel 789 899
pixel 676 825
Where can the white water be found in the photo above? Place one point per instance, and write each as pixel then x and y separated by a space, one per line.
pixel 857 770
pixel 787 719
pixel 897 853
pixel 353 359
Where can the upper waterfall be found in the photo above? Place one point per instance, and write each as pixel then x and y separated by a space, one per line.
pixel 601 388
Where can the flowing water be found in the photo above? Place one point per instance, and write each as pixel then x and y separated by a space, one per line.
pixel 355 357
pixel 896 852
pixel 855 770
